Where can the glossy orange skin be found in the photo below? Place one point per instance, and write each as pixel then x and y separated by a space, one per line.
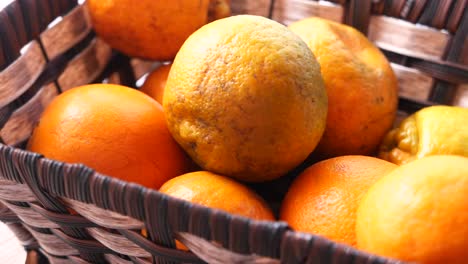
pixel 418 213
pixel 155 83
pixel 146 28
pixel 324 199
pixel 114 129
pixel 219 192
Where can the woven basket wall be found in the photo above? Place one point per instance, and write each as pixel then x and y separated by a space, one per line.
pixel 48 46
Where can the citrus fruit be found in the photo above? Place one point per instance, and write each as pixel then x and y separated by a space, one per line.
pixel 430 131
pixel 146 28
pixel 219 192
pixel 245 98
pixel 361 87
pixel 418 212
pixel 324 198
pixel 113 129
pixel 155 83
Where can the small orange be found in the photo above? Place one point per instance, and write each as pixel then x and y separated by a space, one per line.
pixel 155 83
pixel 418 212
pixel 324 198
pixel 361 87
pixel 219 192
pixel 114 129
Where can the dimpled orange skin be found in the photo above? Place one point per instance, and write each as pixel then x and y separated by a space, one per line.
pixel 114 129
pixel 155 83
pixel 245 98
pixel 146 28
pixel 219 192
pixel 361 87
pixel 418 212
pixel 324 198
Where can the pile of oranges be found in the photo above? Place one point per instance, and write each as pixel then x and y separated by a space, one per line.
pixel 244 99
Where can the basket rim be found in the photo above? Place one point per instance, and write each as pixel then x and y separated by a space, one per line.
pixel 268 226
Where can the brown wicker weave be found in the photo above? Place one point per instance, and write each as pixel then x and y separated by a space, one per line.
pixel 37 195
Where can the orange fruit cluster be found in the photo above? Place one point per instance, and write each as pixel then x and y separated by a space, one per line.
pixel 247 100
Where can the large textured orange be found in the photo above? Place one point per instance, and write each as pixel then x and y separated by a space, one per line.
pixel 361 87
pixel 219 192
pixel 155 83
pixel 418 212
pixel 151 29
pixel 245 98
pixel 114 129
pixel 324 199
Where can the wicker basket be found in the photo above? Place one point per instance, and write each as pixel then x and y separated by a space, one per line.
pixel 39 59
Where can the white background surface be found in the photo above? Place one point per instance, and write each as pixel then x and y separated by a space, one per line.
pixel 11 251
pixel 3 3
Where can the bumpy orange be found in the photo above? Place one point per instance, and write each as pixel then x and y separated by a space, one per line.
pixel 155 83
pixel 324 198
pixel 114 129
pixel 361 87
pixel 219 192
pixel 151 29
pixel 418 212
pixel 245 98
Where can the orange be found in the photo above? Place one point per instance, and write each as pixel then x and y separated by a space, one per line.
pixel 147 28
pixel 324 198
pixel 114 129
pixel 155 83
pixel 361 87
pixel 418 212
pixel 219 192
pixel 434 130
pixel 245 98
